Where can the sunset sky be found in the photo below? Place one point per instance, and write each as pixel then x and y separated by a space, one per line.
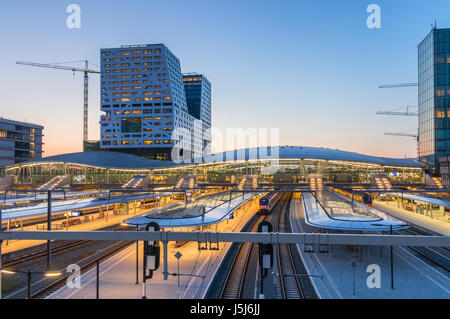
pixel 310 68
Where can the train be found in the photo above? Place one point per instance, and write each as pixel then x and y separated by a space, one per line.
pixel 358 195
pixel 267 202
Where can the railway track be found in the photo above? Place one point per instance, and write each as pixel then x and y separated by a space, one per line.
pixel 289 283
pixel 87 252
pixel 438 257
pixel 57 247
pixel 43 290
pixel 238 280
pixel 236 283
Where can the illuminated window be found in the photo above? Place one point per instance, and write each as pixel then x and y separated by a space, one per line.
pixel 147 142
pixel 127 52
pixel 125 100
pixel 131 124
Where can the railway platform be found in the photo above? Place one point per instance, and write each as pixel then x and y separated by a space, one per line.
pixel 118 273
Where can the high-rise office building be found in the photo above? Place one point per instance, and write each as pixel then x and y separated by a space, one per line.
pixel 19 141
pixel 198 98
pixel 434 97
pixel 144 102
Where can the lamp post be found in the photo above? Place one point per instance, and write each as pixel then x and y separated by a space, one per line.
pixel 392 262
pixel 1 242
pixel 28 274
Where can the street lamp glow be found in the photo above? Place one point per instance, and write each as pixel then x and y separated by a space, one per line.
pixel 9 272
pixel 52 274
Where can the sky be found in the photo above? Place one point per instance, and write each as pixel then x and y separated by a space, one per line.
pixel 309 68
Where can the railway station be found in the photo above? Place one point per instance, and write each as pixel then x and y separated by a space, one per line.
pixel 308 189
pixel 163 204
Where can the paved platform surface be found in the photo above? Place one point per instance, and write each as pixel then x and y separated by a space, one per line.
pixel 412 277
pixel 118 274
pixel 98 223
pixel 436 225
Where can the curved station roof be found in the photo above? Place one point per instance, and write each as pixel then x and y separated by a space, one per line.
pixel 207 210
pixel 317 216
pixel 116 160
pixel 105 159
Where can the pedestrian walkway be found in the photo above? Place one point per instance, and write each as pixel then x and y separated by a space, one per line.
pixel 436 225
pixel 118 273
pixel 335 277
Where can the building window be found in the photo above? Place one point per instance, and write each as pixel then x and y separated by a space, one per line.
pixel 131 124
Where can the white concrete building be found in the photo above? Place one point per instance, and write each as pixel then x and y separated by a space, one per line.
pixel 144 103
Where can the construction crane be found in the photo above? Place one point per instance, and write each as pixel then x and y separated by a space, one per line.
pixel 415 136
pixel 402 134
pixel 396 112
pixel 86 70
pixel 399 85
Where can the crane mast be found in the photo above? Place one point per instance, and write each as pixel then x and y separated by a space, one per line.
pixel 86 71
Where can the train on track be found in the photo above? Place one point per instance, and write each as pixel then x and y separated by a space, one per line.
pixel 267 202
pixel 360 196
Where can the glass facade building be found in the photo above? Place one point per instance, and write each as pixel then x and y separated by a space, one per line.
pixel 434 97
pixel 19 141
pixel 198 98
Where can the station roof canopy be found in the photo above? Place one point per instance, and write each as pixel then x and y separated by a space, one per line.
pixel 105 159
pixel 306 152
pixel 117 160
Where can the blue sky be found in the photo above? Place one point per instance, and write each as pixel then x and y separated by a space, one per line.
pixel 310 68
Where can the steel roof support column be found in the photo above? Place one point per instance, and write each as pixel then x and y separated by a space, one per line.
pixel 49 226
